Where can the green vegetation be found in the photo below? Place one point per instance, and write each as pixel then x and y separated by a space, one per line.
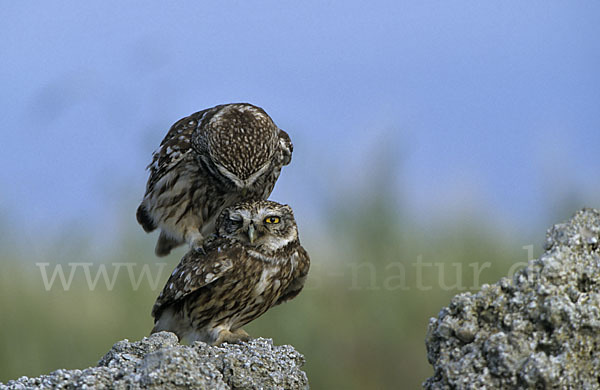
pixel 360 322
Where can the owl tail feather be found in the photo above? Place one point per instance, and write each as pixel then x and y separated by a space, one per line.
pixel 144 219
pixel 154 330
pixel 165 244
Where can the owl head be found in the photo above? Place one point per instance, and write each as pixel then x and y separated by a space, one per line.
pixel 239 142
pixel 265 225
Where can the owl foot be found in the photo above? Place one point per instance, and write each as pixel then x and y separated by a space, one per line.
pixel 200 249
pixel 198 246
pixel 235 337
pixel 196 241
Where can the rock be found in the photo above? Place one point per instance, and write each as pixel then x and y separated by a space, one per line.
pixel 539 330
pixel 160 362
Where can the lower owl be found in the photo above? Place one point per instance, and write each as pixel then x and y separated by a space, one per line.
pixel 252 263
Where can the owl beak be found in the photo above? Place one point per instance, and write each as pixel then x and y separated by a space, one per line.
pixel 251 233
pixel 244 191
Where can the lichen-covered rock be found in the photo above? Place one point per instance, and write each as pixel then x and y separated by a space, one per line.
pixel 160 362
pixel 540 330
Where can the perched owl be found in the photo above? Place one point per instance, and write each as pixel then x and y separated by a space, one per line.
pixel 210 160
pixel 253 262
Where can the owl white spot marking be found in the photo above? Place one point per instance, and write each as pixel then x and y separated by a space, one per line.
pixel 209 277
pixel 202 117
pixel 171 286
pixel 276 283
pixel 217 117
pixel 169 150
pixel 265 280
pixel 175 271
pixel 190 123
pixel 294 259
pixel 219 249
pixel 243 108
pixel 260 256
pixel 181 274
pixel 275 243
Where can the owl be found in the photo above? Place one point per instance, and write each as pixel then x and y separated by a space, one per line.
pixel 253 262
pixel 210 160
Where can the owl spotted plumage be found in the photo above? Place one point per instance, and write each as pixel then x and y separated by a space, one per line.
pixel 210 160
pixel 253 262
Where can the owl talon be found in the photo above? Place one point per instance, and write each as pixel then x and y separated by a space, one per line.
pixel 197 243
pixel 237 337
pixel 200 249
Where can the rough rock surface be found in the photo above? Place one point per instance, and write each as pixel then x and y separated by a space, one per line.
pixel 540 330
pixel 160 362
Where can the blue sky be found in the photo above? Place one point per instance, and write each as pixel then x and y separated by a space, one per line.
pixel 486 107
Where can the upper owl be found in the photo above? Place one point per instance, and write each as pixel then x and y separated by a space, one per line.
pixel 208 161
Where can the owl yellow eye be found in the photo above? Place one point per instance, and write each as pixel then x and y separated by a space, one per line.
pixel 272 220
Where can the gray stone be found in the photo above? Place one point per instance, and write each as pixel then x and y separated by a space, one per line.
pixel 538 330
pixel 160 362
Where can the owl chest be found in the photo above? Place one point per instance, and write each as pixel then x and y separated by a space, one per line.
pixel 268 285
pixel 248 291
pixel 264 289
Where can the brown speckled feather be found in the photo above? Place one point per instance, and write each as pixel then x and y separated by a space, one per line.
pixel 196 270
pixel 173 148
pixel 299 276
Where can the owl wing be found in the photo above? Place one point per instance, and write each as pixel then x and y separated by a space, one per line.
pixel 173 148
pixel 286 146
pixel 301 263
pixel 194 271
